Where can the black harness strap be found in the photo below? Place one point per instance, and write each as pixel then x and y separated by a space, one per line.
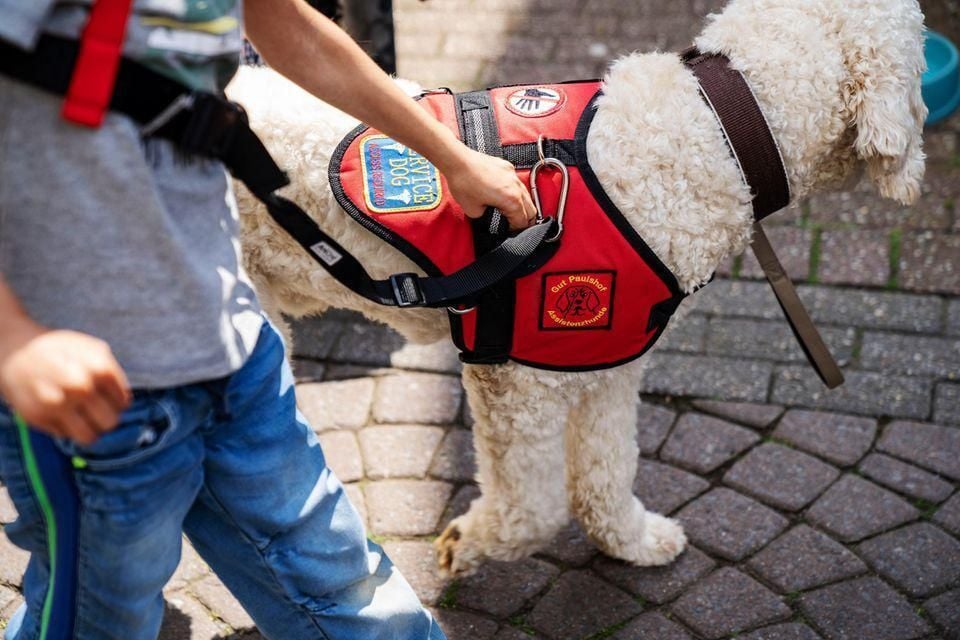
pixel 493 338
pixel 210 125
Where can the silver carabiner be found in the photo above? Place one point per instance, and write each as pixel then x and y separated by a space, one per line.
pixel 564 188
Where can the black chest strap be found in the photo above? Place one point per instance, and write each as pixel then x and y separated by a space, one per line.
pixel 209 125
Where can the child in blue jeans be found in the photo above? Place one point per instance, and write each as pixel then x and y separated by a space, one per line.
pixel 144 394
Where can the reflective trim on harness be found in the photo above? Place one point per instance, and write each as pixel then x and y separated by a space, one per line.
pixel 94 76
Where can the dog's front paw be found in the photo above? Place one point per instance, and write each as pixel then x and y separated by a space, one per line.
pixel 454 554
pixel 663 541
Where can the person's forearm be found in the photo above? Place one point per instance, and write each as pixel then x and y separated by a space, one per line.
pixel 14 321
pixel 312 51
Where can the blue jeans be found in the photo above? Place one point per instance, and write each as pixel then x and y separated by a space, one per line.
pixel 234 465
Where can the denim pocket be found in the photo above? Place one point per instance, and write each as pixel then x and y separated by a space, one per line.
pixel 144 429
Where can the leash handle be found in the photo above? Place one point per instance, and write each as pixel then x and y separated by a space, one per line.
pixel 817 352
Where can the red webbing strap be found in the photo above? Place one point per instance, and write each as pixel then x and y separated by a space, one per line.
pixel 91 85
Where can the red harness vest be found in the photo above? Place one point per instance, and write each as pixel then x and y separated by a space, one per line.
pixel 601 300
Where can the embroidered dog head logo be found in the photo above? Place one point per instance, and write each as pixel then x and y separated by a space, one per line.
pixel 577 302
pixel 534 102
pixel 582 300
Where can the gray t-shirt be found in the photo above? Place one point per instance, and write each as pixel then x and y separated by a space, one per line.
pixel 125 239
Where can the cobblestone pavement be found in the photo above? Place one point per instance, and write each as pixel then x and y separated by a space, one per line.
pixel 811 514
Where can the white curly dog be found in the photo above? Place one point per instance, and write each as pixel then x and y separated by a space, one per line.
pixel 839 82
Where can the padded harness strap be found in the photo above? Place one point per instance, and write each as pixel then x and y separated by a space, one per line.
pixel 755 149
pixel 210 125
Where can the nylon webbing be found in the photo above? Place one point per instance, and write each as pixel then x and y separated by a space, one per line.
pixel 95 72
pixel 755 149
pixel 210 125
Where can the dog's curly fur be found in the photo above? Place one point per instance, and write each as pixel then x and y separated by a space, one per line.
pixel 839 82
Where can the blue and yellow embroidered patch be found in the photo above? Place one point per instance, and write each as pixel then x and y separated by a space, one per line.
pixel 396 178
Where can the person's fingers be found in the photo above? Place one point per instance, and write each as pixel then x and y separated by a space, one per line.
pixel 530 211
pixel 72 425
pixel 112 384
pixel 99 414
pixel 515 213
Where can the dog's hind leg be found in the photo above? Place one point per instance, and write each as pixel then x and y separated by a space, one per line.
pixel 602 456
pixel 518 437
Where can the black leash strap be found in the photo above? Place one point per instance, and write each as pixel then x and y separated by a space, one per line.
pixel 210 125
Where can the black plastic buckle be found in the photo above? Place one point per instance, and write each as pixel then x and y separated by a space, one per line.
pixel 406 291
pixel 212 123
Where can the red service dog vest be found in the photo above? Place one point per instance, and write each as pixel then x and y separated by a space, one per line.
pixel 601 300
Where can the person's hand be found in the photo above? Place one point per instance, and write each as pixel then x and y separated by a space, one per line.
pixel 64 383
pixel 482 181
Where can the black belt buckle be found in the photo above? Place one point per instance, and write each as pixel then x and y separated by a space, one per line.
pixel 401 291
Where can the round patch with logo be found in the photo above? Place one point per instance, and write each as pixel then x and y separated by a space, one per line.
pixel 582 300
pixel 535 102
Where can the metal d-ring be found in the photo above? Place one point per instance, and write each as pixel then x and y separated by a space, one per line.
pixel 564 188
pixel 461 312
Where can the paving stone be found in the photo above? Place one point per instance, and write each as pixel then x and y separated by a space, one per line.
pixel 460 503
pixel 854 508
pixel 663 488
pixel 336 405
pixel 687 335
pixel 793 248
pixel 872 309
pixel 13 562
pixel 564 612
pixel 653 425
pixel 657 584
pixel 342 454
pixel 417 561
pixel 930 261
pixel 336 372
pixel 367 343
pixel 417 398
pixel 928 445
pixel 781 476
pixel 186 619
pixel 571 547
pixel 729 524
pixel 920 558
pixel 8 513
pixel 827 305
pixel 911 354
pixel 953 317
pixel 839 438
pixel 865 393
pixel 702 443
pixel 759 416
pixel 860 609
pixel 460 624
pixel 804 558
pixel 788 631
pixel 905 478
pixel 503 588
pixel 772 340
pixel 946 403
pixel 707 376
pixel 406 507
pixel 7 613
pixel 652 626
pixel 7 597
pixel 945 612
pixel 509 633
pixel 854 256
pixel 191 569
pixel 728 602
pixel 441 357
pixel 314 337
pixel 865 208
pixel 948 516
pixel 211 592
pixel 398 451
pixel 455 459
